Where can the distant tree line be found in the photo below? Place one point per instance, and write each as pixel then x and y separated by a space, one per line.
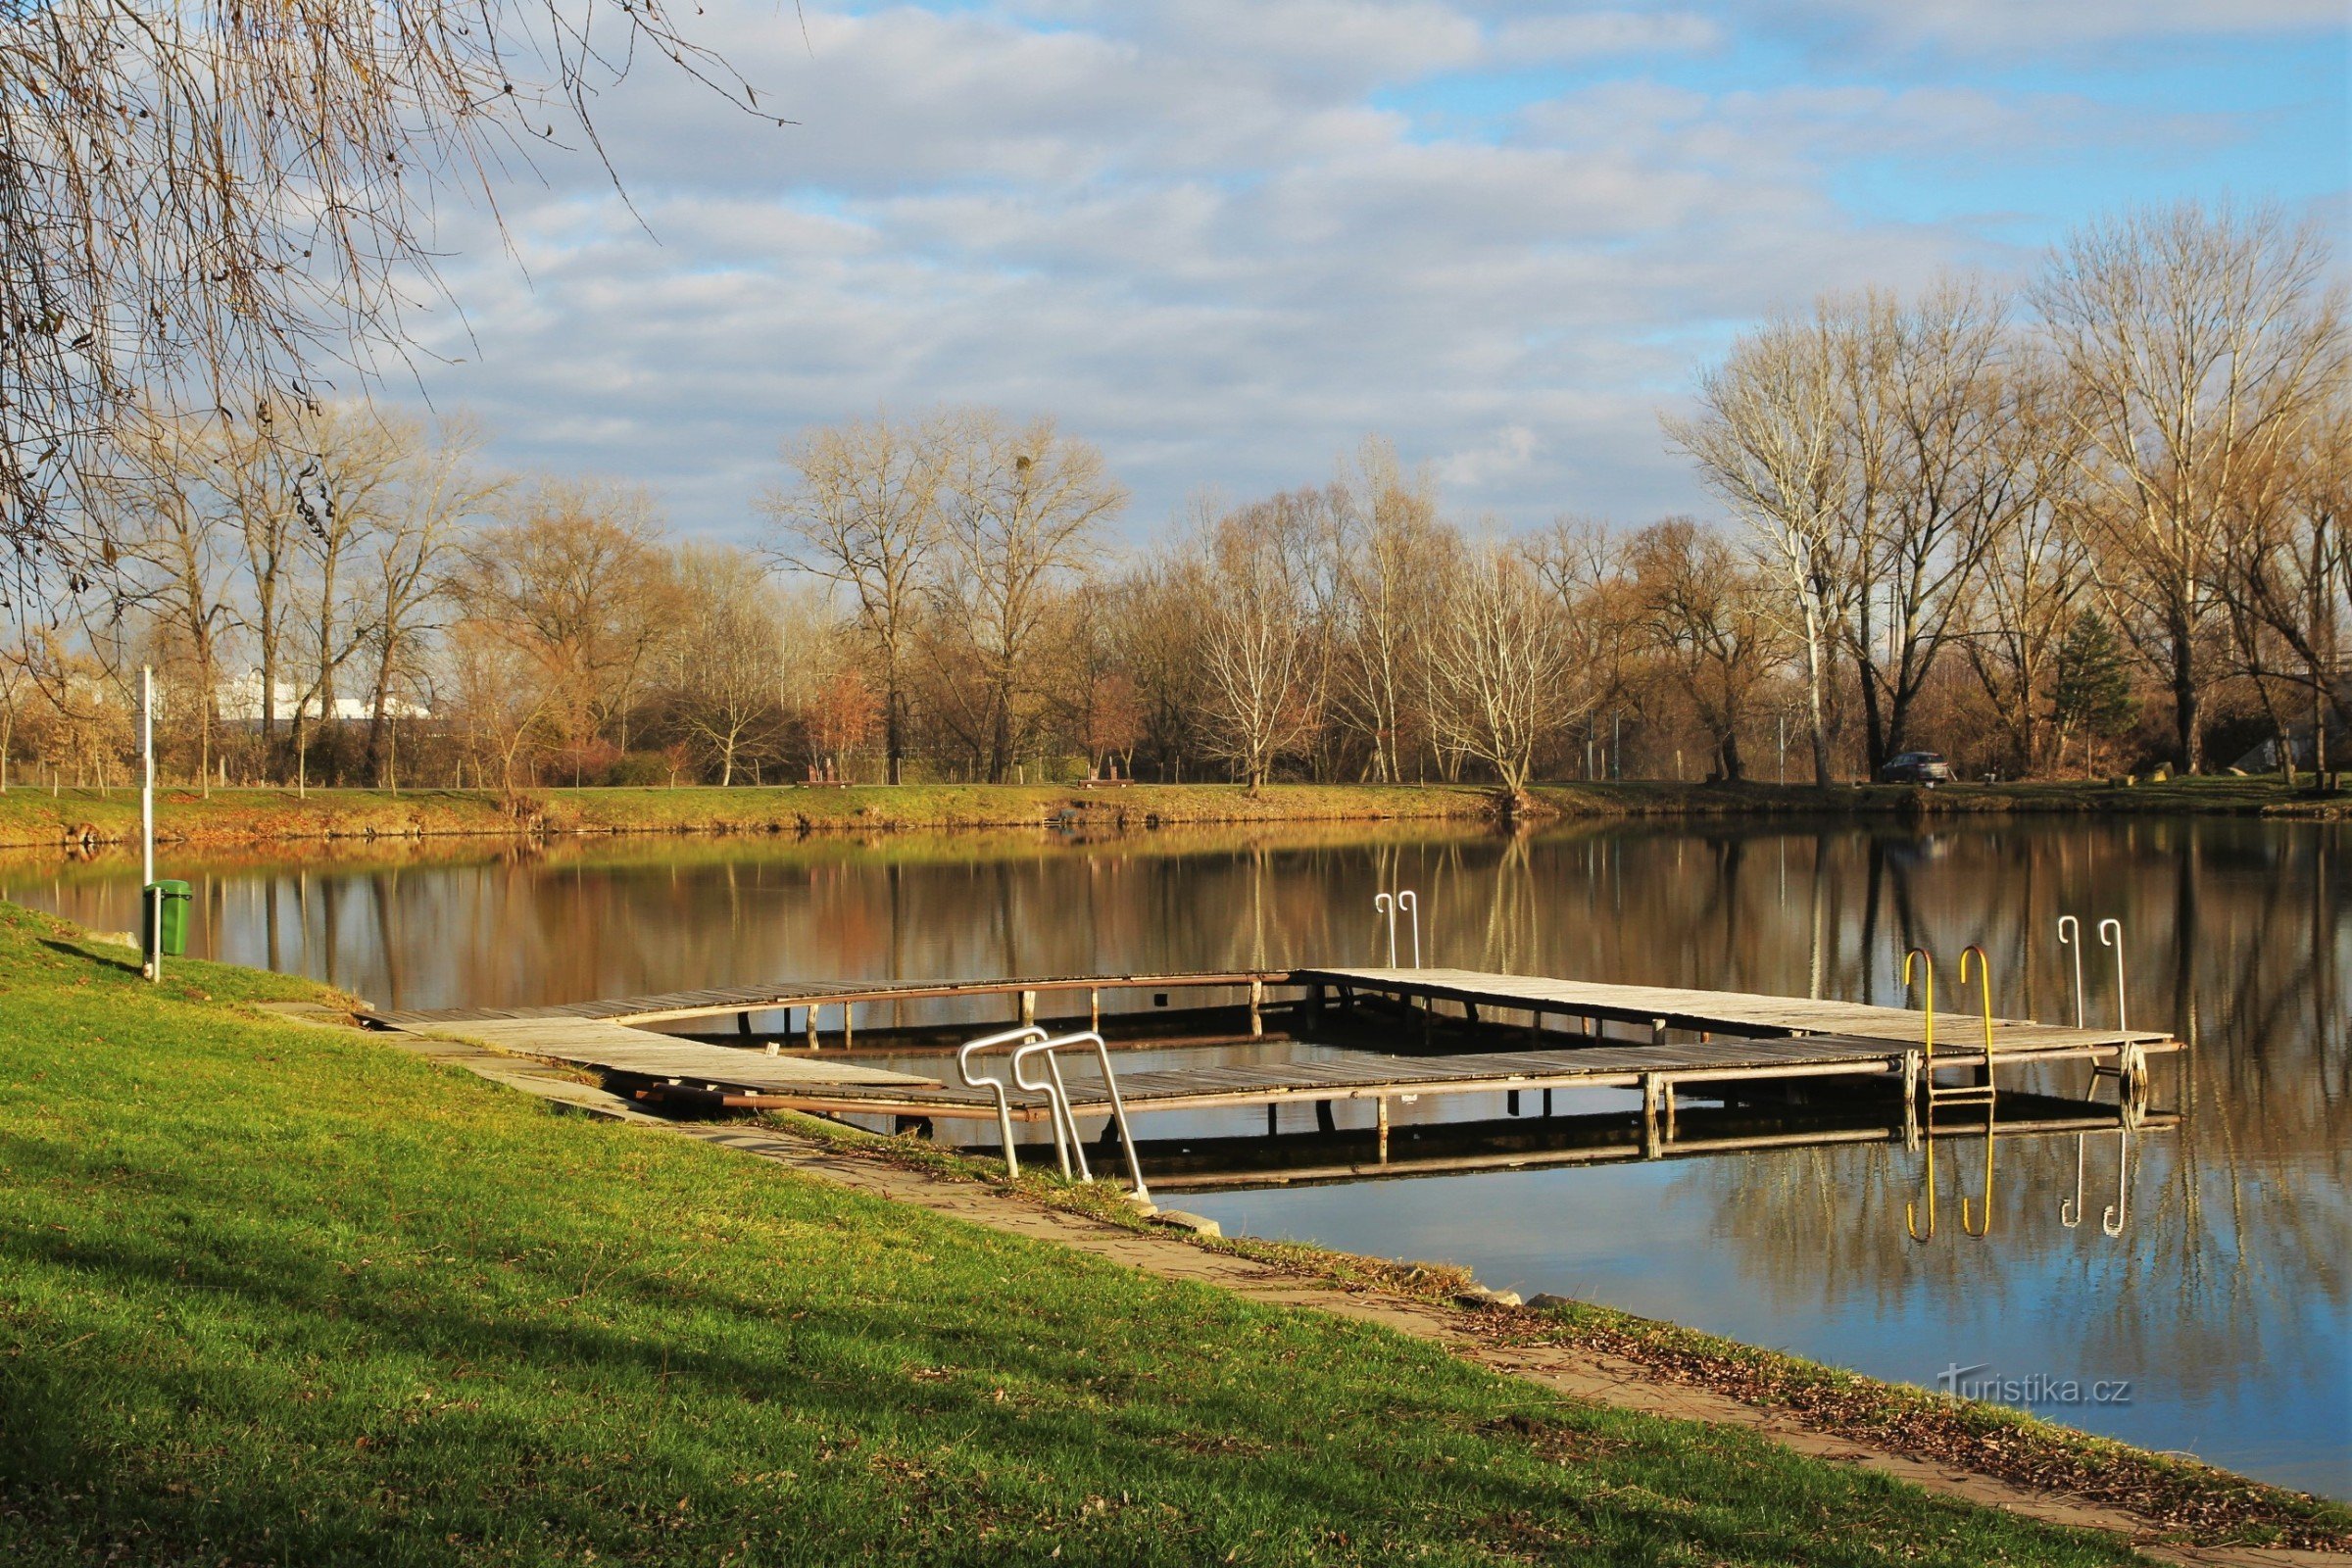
pixel 2101 523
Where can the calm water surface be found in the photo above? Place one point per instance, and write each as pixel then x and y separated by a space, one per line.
pixel 2224 1304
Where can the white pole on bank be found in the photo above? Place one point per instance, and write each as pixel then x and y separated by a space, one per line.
pixel 151 914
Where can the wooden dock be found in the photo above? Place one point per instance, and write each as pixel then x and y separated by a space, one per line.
pixel 1477 997
pixel 1560 1032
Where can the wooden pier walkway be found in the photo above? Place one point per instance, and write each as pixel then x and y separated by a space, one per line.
pixel 1561 1025
pixel 1661 1009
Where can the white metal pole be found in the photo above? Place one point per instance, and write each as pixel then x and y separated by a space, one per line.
pixel 147 788
pixel 151 908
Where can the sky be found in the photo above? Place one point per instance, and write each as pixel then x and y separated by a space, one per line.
pixel 1225 240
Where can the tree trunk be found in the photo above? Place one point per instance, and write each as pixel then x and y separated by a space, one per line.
pixel 1813 697
pixel 2189 706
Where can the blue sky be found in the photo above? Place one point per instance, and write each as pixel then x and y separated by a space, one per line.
pixel 1226 240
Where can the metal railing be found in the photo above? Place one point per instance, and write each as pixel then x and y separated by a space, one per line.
pixel 997 1086
pixel 1388 904
pixel 1030 1041
pixel 1064 1117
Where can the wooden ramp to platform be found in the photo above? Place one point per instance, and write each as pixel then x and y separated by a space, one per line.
pixel 795 995
pixel 1662 1008
pixel 665 1058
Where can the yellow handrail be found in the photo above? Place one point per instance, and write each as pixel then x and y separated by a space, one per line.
pixel 1984 990
pixel 1927 1071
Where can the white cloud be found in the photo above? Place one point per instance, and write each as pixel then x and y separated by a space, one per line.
pixel 1204 235
pixel 1595 35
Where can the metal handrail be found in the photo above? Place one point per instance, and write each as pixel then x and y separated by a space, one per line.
pixel 2111 935
pixel 2118 1212
pixel 996 1086
pixel 2065 923
pixel 2069 1210
pixel 1985 991
pixel 1386 905
pixel 1065 1117
pixel 1057 1105
pixel 1928 1077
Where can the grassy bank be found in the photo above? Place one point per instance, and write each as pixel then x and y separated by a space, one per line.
pixel 270 1293
pixel 226 818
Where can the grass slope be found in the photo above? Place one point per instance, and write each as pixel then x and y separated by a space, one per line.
pixel 274 1294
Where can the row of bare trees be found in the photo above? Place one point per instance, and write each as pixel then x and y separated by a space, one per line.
pixel 2158 435
pixel 2108 512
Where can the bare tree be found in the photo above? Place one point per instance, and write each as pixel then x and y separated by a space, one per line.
pixel 1393 553
pixel 202 206
pixel 1155 619
pixel 1503 682
pixel 1932 483
pixel 2194 342
pixel 406 574
pixel 170 546
pixel 574 589
pixel 1704 615
pixel 1023 508
pixel 867 515
pixel 2035 572
pixel 730 676
pixel 1767 439
pixel 1256 646
pixel 2289 577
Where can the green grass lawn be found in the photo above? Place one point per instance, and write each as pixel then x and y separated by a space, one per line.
pixel 274 1294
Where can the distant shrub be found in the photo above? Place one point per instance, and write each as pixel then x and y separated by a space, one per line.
pixel 634 769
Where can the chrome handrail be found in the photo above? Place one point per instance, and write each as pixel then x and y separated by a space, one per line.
pixel 1409 900
pixel 2111 935
pixel 996 1086
pixel 1065 1117
pixel 1927 1083
pixel 1065 1133
pixel 2065 923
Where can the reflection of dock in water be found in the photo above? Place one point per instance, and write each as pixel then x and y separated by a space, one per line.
pixel 1468 1034
pixel 1465 1147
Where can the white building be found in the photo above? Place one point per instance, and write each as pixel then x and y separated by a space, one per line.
pixel 240 703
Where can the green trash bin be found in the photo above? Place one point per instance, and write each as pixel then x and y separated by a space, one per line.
pixel 166 901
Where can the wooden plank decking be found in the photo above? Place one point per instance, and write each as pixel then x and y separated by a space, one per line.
pixel 1369 1076
pixel 777 995
pixel 1741 1037
pixel 1735 1012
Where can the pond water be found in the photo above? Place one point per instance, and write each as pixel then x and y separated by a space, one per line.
pixel 2223 1307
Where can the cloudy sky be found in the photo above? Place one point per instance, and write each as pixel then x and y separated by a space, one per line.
pixel 1224 240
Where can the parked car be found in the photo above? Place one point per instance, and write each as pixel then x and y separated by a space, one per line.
pixel 1917 768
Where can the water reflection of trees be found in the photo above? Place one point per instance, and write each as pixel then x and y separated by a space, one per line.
pixel 2236 928
pixel 2236 1250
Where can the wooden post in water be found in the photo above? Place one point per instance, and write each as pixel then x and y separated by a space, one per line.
pixel 847 1024
pixel 1657 1031
pixel 1381 1110
pixel 1028 1010
pixel 812 1045
pixel 1650 1144
pixel 1094 1010
pixel 1257 1003
pixel 1912 1073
